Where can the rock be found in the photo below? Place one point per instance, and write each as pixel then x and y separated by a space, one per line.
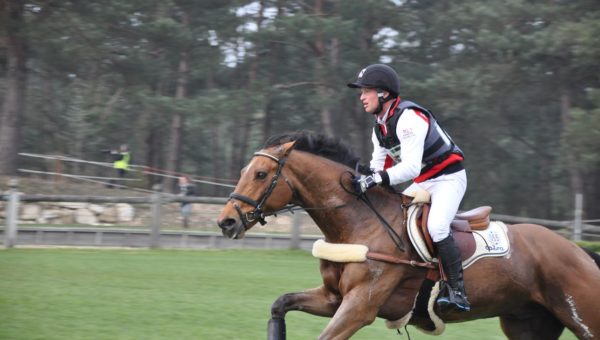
pixel 73 205
pixel 50 216
pixel 125 212
pixel 30 212
pixel 96 208
pixel 109 215
pixel 85 216
pixel 137 221
pixel 66 216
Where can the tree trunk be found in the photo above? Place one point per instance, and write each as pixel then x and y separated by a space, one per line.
pixel 362 123
pixel 174 149
pixel 243 126
pixel 275 53
pixel 240 146
pixel 573 168
pixel 153 155
pixel 217 155
pixel 323 91
pixel 11 13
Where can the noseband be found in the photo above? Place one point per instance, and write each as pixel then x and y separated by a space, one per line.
pixel 258 213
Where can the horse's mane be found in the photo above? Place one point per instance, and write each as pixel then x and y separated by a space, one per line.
pixel 318 144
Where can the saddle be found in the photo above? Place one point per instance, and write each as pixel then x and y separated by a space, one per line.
pixel 492 239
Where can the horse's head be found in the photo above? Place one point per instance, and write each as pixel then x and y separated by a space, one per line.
pixel 261 190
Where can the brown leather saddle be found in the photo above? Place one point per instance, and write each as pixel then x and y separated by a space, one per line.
pixel 462 227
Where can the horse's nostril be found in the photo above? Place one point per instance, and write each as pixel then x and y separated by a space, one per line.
pixel 225 223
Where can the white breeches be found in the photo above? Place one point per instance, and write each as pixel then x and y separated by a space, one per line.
pixel 446 193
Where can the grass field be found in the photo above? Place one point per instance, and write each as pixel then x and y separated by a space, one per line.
pixel 149 294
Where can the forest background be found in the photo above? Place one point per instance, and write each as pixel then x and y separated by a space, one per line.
pixel 197 86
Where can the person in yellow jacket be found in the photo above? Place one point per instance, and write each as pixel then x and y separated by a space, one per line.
pixel 122 158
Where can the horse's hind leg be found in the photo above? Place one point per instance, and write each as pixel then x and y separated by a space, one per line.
pixel 534 323
pixel 317 301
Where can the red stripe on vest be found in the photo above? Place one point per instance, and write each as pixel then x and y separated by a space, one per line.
pixel 388 162
pixel 383 129
pixel 422 115
pixel 393 109
pixel 453 158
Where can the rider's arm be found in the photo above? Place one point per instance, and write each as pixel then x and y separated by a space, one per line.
pixel 411 131
pixel 378 156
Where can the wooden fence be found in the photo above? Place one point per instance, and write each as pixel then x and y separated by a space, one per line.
pixel 153 237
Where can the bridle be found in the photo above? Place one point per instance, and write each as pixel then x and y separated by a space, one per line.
pixel 258 213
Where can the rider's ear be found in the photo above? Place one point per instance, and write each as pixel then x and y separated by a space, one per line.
pixel 382 94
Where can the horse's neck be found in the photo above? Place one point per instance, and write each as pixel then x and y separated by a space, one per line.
pixel 339 215
pixel 317 181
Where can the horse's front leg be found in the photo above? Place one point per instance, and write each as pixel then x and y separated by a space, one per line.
pixel 355 312
pixel 317 301
pixel 363 295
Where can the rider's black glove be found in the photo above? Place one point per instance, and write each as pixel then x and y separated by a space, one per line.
pixel 364 169
pixel 363 183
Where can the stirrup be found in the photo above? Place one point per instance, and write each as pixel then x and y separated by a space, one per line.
pixel 454 300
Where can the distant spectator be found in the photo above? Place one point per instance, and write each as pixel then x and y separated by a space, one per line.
pixel 122 159
pixel 186 188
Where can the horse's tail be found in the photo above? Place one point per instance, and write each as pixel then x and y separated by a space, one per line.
pixel 593 255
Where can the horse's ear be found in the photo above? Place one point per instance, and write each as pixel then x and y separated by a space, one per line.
pixel 288 147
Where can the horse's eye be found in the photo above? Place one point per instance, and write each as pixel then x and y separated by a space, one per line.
pixel 261 175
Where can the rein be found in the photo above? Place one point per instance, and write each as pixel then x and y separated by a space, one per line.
pixel 391 232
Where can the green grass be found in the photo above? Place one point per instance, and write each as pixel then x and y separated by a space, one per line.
pixel 143 294
pixel 594 246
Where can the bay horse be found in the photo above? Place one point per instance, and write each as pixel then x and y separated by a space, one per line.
pixel 544 284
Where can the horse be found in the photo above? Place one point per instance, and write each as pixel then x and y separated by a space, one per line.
pixel 544 284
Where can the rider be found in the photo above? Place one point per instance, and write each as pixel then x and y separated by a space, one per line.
pixel 409 144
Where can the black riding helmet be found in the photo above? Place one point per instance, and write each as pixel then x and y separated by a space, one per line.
pixel 378 76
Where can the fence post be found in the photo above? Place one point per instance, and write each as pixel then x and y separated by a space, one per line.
pixel 577 223
pixel 12 214
pixel 295 237
pixel 156 216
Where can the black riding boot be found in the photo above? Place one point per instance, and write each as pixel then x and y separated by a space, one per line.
pixel 455 297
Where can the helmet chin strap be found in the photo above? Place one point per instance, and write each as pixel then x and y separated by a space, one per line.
pixel 381 100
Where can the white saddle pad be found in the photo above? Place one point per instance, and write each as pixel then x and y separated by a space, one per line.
pixel 493 241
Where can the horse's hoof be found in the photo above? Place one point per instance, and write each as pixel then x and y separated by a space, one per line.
pixel 276 329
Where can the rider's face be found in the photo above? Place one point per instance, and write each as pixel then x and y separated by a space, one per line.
pixel 368 97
